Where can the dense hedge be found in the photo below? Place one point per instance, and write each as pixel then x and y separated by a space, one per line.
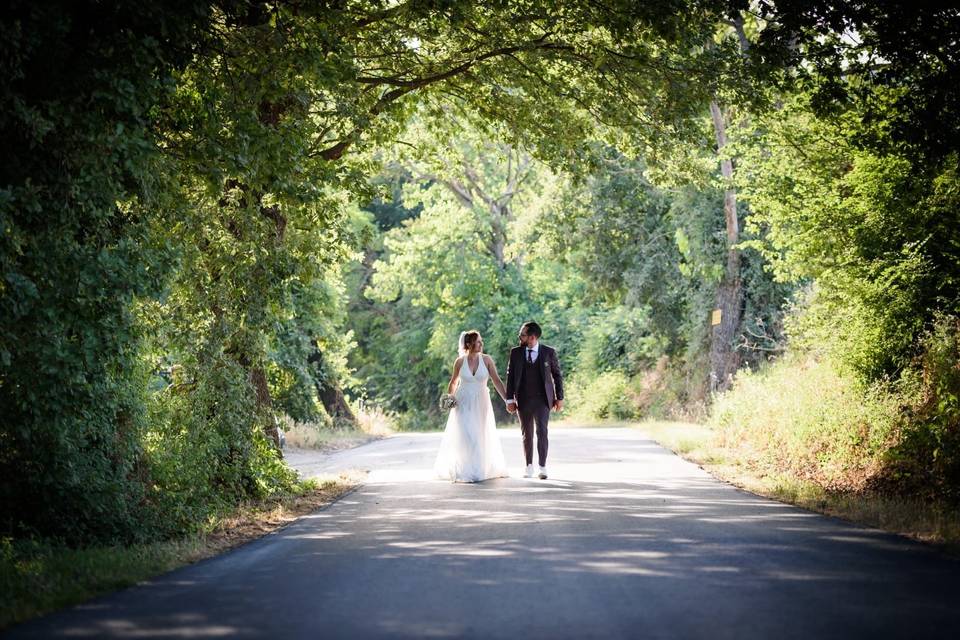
pixel 78 176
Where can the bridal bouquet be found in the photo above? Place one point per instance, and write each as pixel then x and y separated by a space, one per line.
pixel 447 402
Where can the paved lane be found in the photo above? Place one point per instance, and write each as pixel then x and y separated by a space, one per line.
pixel 624 541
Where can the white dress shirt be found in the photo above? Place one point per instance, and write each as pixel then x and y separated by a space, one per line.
pixel 531 353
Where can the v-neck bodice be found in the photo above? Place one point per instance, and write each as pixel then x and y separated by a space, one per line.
pixel 480 375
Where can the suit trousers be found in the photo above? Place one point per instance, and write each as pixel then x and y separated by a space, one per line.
pixel 534 415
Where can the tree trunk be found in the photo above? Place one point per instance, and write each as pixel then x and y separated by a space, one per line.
pixel 330 394
pixel 498 233
pixel 724 359
pixel 258 378
pixel 256 374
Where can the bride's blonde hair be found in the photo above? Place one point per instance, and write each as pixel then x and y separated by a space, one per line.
pixel 467 340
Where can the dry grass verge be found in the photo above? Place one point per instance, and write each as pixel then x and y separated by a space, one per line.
pixel 256 519
pixel 38 577
pixel 371 424
pixel 327 440
pixel 924 521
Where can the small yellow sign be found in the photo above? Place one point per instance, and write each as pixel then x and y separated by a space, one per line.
pixel 716 317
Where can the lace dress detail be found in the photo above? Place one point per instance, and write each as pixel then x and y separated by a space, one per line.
pixel 470 450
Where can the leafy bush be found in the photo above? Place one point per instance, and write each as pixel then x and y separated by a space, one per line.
pixel 812 417
pixel 605 396
pixel 620 339
pixel 809 417
pixel 79 180
pixel 875 232
pixel 206 448
pixel 927 460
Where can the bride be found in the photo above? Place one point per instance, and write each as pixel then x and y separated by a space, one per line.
pixel 470 450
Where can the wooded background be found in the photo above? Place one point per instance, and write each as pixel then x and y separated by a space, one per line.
pixel 215 214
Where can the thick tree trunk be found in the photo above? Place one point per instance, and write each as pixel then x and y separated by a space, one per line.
pixel 335 403
pixel 258 378
pixel 331 395
pixel 256 374
pixel 724 359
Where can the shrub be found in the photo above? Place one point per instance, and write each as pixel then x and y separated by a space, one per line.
pixel 927 461
pixel 604 396
pixel 206 449
pixel 809 417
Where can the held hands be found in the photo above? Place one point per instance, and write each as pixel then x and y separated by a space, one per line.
pixel 512 406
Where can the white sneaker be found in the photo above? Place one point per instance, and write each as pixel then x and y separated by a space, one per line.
pixel 543 473
pixel 529 472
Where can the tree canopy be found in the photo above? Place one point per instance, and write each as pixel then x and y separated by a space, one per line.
pixel 214 213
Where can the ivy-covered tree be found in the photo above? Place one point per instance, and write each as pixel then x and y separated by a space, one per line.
pixel 81 178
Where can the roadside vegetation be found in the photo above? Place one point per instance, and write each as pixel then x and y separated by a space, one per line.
pixel 38 577
pixel 221 221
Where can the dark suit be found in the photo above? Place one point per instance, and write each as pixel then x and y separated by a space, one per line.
pixel 535 387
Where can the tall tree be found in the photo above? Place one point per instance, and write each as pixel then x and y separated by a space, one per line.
pixel 724 357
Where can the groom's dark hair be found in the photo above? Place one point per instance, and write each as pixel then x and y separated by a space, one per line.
pixel 533 329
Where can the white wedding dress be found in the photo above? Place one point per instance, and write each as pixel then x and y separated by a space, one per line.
pixel 470 450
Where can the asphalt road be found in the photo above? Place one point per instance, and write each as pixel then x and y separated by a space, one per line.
pixel 625 540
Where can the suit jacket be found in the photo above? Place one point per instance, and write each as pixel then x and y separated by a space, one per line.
pixel 549 365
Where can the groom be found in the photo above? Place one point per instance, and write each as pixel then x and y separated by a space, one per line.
pixel 534 387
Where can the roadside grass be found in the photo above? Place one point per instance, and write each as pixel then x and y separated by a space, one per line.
pixel 934 523
pixel 372 424
pixel 306 436
pixel 41 576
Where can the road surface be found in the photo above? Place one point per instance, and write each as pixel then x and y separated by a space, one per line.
pixel 624 540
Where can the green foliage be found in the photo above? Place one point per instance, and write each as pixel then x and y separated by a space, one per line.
pixel 853 180
pixel 622 339
pixel 810 418
pixel 40 577
pixel 659 251
pixel 439 276
pixel 79 177
pixel 876 232
pixel 894 63
pixel 309 347
pixel 206 448
pixel 927 460
pixel 605 396
pixel 620 272
pixel 177 210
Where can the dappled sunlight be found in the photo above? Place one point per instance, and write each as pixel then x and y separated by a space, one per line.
pixel 801 576
pixel 606 529
pixel 620 568
pixel 450 548
pixel 198 624
pixel 462 517
pixel 719 569
pixel 613 455
pixel 611 539
pixel 603 529
pixel 404 627
pixel 327 535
